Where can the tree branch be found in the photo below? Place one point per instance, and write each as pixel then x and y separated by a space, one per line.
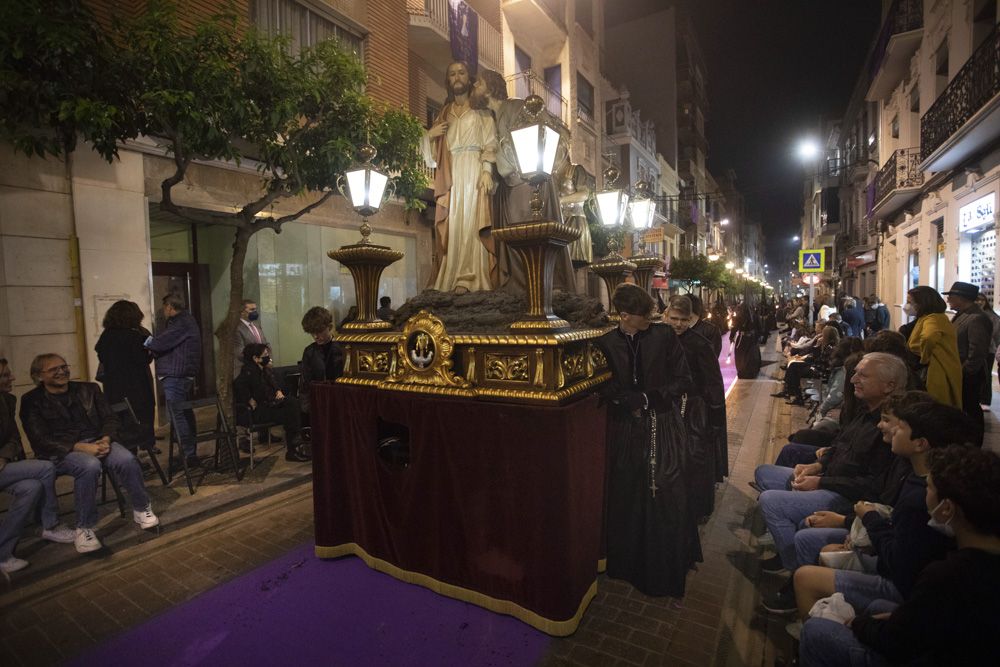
pixel 276 223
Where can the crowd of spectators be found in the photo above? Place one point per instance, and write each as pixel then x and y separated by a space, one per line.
pixel 885 518
pixel 76 428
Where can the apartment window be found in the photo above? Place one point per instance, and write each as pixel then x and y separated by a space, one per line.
pixel 584 96
pixel 304 26
pixel 894 127
pixel 915 100
pixel 984 21
pixel 433 109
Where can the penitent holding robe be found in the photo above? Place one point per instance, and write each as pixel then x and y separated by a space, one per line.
pixel 463 209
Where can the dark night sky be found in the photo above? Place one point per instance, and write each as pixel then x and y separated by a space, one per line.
pixel 775 67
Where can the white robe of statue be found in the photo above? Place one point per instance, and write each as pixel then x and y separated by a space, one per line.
pixel 471 144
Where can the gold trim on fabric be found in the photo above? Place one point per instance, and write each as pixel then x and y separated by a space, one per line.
pixel 548 626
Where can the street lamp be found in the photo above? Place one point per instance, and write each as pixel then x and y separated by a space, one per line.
pixel 365 187
pixel 808 149
pixel 535 145
pixel 724 222
pixel 795 239
pixel 713 254
pixel 730 266
pixel 642 208
pixel 612 202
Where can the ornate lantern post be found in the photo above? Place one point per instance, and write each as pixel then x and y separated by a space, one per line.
pixel 537 241
pixel 612 205
pixel 642 212
pixel 366 188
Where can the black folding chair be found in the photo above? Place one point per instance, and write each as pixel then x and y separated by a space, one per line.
pixel 222 435
pixel 131 437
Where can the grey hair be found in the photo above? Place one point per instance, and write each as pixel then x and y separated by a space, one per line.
pixel 890 368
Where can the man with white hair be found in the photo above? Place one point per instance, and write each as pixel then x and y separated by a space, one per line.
pixel 849 471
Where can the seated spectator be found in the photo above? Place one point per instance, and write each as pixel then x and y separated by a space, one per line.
pixel 29 483
pixel 809 364
pixel 950 616
pixel 385 311
pixel 904 544
pixel 71 424
pixel 849 471
pixel 256 390
pixel 323 359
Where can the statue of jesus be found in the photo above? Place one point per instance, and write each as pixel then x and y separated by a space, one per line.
pixel 461 145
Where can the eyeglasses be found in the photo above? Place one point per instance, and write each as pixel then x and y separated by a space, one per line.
pixel 57 369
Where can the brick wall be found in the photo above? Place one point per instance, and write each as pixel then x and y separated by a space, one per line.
pixel 189 12
pixel 387 55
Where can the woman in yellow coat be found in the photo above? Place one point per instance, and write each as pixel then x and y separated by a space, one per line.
pixel 934 340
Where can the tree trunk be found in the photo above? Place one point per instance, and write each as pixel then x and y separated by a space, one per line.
pixel 226 332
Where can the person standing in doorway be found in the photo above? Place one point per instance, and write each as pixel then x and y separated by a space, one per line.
pixel 177 350
pixel 247 332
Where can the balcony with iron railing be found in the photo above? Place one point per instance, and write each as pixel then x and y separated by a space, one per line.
pixel 966 117
pixel 527 83
pixel 541 23
pixel 429 35
pixel 898 40
pixel 897 182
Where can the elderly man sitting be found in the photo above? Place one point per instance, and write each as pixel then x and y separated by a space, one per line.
pixel 71 424
pixel 849 471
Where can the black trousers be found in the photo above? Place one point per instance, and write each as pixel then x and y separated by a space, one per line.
pixel 796 371
pixel 972 385
pixel 288 413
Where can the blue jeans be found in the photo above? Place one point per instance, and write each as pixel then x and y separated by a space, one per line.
pixel 826 643
pixel 86 471
pixel 29 483
pixel 784 510
pixel 177 390
pixel 769 477
pixel 809 542
pixel 861 589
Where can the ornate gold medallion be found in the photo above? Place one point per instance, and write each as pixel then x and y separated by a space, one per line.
pixel 424 353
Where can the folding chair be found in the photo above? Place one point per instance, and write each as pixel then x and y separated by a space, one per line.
pixel 244 418
pixel 135 440
pixel 220 434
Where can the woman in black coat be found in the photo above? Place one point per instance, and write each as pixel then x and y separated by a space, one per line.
pixel 706 413
pixel 257 396
pixel 124 369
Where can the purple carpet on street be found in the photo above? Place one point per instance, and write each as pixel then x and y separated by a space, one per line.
pixel 728 365
pixel 301 610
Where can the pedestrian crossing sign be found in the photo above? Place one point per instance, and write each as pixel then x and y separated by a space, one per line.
pixel 812 261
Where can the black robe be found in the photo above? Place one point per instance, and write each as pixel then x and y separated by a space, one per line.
pixel 706 422
pixel 125 365
pixel 747 349
pixel 711 332
pixel 652 540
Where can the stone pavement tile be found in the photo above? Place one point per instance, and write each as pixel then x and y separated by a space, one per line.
pixel 29 647
pixel 654 643
pixel 145 597
pixel 66 635
pixel 624 651
pixel 645 622
pixel 589 657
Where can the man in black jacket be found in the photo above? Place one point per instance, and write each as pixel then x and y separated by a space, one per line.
pixel 848 471
pixel 974 331
pixel 71 424
pixel 323 359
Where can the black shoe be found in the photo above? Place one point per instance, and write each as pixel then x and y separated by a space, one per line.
pixel 782 602
pixel 276 439
pixel 798 400
pixel 244 445
pixel 297 456
pixel 772 565
pixel 781 394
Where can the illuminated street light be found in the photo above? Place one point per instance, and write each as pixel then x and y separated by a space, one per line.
pixel 808 149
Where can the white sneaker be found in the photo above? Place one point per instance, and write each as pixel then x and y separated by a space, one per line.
pixel 145 517
pixel 12 564
pixel 86 540
pixel 59 533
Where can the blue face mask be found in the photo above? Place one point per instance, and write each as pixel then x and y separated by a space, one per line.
pixel 942 527
pixel 253 316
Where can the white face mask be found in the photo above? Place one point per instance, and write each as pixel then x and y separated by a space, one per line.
pixel 909 309
pixel 943 528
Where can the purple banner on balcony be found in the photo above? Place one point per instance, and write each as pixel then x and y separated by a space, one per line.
pixel 463 29
pixel 870 199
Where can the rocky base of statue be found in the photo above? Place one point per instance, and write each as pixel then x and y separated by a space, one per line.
pixel 493 311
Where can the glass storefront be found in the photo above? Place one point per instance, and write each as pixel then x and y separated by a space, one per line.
pixel 977 252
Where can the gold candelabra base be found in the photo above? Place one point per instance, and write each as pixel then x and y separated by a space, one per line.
pixel 366 262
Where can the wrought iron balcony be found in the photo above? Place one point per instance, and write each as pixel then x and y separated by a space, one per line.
pixel 429 35
pixel 897 182
pixel 527 83
pixel 898 40
pixel 966 117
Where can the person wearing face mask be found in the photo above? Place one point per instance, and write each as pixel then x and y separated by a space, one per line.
pixel 247 332
pixel 904 543
pixel 933 339
pixel 255 390
pixel 950 616
pixel 706 411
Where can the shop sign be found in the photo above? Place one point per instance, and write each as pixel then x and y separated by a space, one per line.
pixel 653 235
pixel 811 279
pixel 977 214
pixel 861 259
